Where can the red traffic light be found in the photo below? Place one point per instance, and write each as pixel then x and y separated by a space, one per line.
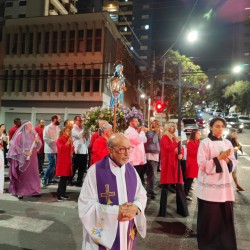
pixel 159 107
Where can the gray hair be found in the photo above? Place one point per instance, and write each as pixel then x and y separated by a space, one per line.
pixel 115 138
pixel 104 127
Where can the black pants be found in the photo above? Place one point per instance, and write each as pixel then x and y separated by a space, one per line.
pixel 141 169
pixel 40 158
pixel 61 190
pixel 183 169
pixel 188 185
pixel 80 164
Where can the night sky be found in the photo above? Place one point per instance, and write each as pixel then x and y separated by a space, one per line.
pixel 214 47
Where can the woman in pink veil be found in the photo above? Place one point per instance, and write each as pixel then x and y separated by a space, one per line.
pixel 22 155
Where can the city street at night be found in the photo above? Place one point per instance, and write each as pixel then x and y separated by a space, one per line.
pixel 45 223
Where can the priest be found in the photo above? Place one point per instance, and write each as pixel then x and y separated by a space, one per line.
pixel 112 201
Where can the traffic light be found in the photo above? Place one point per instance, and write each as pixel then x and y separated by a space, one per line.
pixel 159 107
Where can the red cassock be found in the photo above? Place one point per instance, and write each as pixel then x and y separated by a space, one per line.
pixel 99 149
pixel 169 161
pixel 191 163
pixel 39 130
pixel 64 159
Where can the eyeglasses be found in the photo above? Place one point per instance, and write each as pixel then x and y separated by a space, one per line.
pixel 123 150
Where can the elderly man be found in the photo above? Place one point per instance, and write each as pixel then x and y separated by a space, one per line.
pixel 112 200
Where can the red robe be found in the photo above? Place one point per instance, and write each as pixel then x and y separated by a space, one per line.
pixel 99 149
pixel 12 131
pixel 169 161
pixel 39 130
pixel 64 159
pixel 191 163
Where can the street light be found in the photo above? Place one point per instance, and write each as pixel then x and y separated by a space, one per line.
pixel 237 69
pixel 192 36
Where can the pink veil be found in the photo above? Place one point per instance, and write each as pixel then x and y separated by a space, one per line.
pixel 22 142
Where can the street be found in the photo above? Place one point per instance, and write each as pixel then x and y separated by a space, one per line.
pixel 44 223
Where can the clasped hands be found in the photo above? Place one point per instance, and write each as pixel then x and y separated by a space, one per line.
pixel 127 211
pixel 224 155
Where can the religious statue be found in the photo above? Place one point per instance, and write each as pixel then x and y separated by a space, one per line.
pixel 117 85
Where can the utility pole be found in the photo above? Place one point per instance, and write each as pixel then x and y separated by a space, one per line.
pixel 162 87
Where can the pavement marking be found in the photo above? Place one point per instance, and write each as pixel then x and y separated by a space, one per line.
pixel 25 223
pixel 246 157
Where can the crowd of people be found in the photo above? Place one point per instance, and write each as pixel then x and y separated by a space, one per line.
pixel 114 191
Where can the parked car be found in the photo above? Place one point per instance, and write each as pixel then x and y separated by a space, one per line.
pixel 233 115
pixel 211 112
pixel 189 125
pixel 201 122
pixel 217 113
pixel 245 120
pixel 233 122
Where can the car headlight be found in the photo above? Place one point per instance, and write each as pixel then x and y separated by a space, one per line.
pixel 241 126
pixel 229 125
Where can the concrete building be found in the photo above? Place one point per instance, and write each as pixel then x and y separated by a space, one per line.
pixel 60 65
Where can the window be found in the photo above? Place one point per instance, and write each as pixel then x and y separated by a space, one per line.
pixel 46 47
pixel 98 40
pixel 143 47
pixel 45 80
pixel 144 17
pixel 23 43
pixel 9 4
pixel 22 3
pixel 63 42
pixel 61 86
pixel 80 41
pixel 53 81
pixel 39 43
pixel 144 37
pixel 6 81
pixel 7 44
pixel 79 80
pixel 13 79
pixel 30 43
pixel 29 78
pixel 146 6
pixel 70 80
pixel 89 40
pixel 21 15
pixel 20 78
pixel 87 80
pixel 54 46
pixel 14 48
pixel 36 89
pixel 96 80
pixel 72 41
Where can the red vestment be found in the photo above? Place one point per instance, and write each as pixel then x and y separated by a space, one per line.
pixel 39 130
pixel 192 164
pixel 99 149
pixel 64 159
pixel 169 161
pixel 12 131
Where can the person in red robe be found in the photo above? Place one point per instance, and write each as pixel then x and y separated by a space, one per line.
pixel 65 151
pixel 169 164
pixel 192 164
pixel 100 147
pixel 14 128
pixel 40 154
pixel 93 138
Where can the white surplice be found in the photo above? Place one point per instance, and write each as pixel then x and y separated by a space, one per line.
pixel 99 221
pixel 1 171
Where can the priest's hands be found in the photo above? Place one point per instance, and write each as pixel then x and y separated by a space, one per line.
pixel 127 211
pixel 224 155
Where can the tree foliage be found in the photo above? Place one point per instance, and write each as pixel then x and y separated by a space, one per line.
pixel 239 94
pixel 191 74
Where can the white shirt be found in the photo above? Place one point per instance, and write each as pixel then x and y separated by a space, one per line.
pixel 104 217
pixel 79 140
pixel 137 140
pixel 50 136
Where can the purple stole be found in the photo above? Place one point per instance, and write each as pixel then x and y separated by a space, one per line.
pixel 106 183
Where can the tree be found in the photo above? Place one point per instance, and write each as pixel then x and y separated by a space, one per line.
pixel 191 73
pixel 239 94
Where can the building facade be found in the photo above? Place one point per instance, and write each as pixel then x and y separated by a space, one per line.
pixel 60 65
